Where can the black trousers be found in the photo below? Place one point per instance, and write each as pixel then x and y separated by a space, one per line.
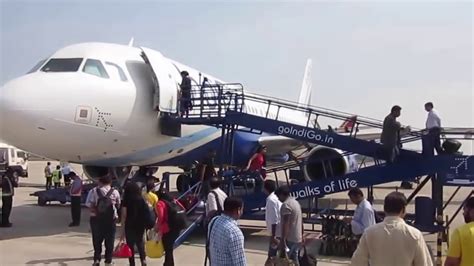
pixel 7 203
pixel 76 209
pixel 168 244
pixel 435 139
pixel 102 232
pixel 57 185
pixel 134 238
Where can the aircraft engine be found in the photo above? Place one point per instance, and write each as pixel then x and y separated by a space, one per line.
pixel 94 172
pixel 324 161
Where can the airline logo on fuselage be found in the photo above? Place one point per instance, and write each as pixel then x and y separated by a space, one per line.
pixel 305 133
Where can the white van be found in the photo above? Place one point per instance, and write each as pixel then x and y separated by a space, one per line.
pixel 15 158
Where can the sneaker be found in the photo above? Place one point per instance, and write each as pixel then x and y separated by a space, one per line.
pixel 96 263
pixel 73 224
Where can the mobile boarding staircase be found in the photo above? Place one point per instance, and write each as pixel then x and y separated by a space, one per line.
pixel 225 106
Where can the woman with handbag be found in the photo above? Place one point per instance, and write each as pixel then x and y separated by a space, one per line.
pixel 133 223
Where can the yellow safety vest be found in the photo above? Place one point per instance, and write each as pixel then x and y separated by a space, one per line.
pixel 56 174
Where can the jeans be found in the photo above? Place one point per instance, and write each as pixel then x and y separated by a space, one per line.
pixel 134 238
pixel 168 244
pixel 294 252
pixel 272 251
pixel 102 232
pixel 76 209
pixel 7 203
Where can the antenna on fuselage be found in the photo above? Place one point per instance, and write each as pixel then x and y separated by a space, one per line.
pixel 130 43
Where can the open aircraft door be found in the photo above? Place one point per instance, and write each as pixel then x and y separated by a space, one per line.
pixel 166 90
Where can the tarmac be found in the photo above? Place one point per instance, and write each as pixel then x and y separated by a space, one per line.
pixel 41 236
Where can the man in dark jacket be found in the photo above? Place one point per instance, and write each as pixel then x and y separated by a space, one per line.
pixel 390 137
pixel 8 183
pixel 185 86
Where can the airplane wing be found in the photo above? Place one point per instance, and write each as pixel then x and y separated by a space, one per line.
pixel 280 144
pixel 466 132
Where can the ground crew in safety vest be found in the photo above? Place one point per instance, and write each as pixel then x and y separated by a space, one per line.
pixel 57 177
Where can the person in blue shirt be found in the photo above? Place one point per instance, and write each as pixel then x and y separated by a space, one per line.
pixel 364 215
pixel 225 239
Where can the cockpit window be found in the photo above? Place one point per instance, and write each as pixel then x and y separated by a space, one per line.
pixel 37 66
pixel 114 68
pixel 62 65
pixel 95 67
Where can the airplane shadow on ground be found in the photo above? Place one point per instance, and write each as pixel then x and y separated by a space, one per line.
pixel 33 221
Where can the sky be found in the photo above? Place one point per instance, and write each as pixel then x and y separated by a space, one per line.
pixel 367 56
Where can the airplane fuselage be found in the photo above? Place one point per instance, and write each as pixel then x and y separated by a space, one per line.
pixel 98 109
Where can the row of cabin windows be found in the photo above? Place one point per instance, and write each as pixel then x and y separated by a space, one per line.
pixel 91 66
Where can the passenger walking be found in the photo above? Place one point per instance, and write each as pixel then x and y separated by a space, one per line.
pixel 215 199
pixel 272 219
pixel 392 242
pixel 185 86
pixel 76 195
pixel 169 224
pixel 48 174
pixel 291 225
pixel 364 215
pixel 66 171
pixel 225 239
pixel 103 202
pixel 57 177
pixel 461 246
pixel 433 126
pixel 134 208
pixel 390 137
pixel 256 167
pixel 150 196
pixel 8 184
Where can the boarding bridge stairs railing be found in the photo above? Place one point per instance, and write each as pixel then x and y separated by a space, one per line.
pixel 228 105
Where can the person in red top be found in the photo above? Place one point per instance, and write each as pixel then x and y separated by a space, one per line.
pixel 167 234
pixel 256 166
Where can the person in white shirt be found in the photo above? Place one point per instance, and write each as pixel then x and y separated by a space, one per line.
pixel 215 199
pixel 272 218
pixel 364 215
pixel 433 126
pixel 392 242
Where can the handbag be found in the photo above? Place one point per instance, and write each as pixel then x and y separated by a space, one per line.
pixel 307 259
pixel 283 260
pixel 154 246
pixel 122 250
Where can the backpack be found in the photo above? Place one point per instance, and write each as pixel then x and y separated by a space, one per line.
pixel 149 216
pixel 105 207
pixel 177 219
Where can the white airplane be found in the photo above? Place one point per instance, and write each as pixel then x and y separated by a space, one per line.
pixel 94 104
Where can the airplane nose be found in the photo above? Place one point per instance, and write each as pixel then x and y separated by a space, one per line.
pixel 20 106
